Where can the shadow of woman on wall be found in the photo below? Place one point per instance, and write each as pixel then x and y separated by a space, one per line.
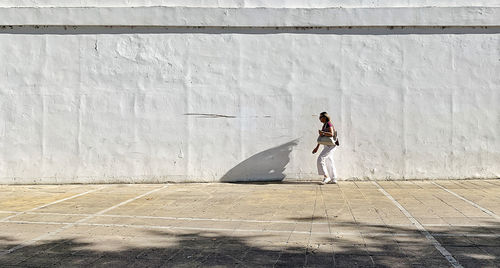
pixel 267 165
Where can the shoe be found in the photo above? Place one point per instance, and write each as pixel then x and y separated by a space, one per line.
pixel 327 180
pixel 334 181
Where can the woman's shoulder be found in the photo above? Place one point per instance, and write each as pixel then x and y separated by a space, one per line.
pixel 329 124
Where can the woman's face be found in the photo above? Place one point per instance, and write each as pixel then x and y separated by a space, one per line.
pixel 322 119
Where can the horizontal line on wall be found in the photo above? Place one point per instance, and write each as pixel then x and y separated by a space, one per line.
pixel 374 30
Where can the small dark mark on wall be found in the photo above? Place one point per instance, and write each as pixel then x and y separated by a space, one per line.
pixel 200 115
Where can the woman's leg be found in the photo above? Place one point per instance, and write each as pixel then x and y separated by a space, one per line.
pixel 332 171
pixel 321 162
pixel 324 163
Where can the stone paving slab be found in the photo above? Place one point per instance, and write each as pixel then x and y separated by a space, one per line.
pixel 351 224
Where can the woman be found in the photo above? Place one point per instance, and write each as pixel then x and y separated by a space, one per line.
pixel 326 166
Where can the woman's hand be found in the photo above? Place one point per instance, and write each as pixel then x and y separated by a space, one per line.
pixel 326 133
pixel 315 150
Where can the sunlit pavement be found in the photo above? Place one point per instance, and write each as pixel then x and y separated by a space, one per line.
pixel 351 224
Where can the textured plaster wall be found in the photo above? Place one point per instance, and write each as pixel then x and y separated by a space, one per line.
pixel 247 3
pixel 148 104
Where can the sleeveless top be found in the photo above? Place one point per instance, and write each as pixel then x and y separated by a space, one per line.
pixel 327 126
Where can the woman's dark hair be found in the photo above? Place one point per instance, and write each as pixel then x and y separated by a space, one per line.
pixel 325 115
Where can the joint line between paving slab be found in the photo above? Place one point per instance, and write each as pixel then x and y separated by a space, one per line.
pixel 10 212
pixel 220 242
pixel 329 225
pixel 346 202
pixel 229 220
pixel 51 203
pixel 487 211
pixel 209 229
pixel 183 218
pixel 68 225
pixel 223 220
pixel 421 228
pixel 310 229
pixel 282 249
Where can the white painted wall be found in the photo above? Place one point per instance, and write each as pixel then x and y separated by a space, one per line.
pixel 149 103
pixel 247 3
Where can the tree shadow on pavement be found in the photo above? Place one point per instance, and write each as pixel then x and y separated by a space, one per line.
pixel 383 246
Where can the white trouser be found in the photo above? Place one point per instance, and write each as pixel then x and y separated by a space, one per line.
pixel 326 165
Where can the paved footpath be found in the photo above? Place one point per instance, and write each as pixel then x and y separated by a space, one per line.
pixel 351 224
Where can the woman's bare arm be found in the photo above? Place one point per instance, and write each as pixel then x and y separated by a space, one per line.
pixel 315 149
pixel 328 133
